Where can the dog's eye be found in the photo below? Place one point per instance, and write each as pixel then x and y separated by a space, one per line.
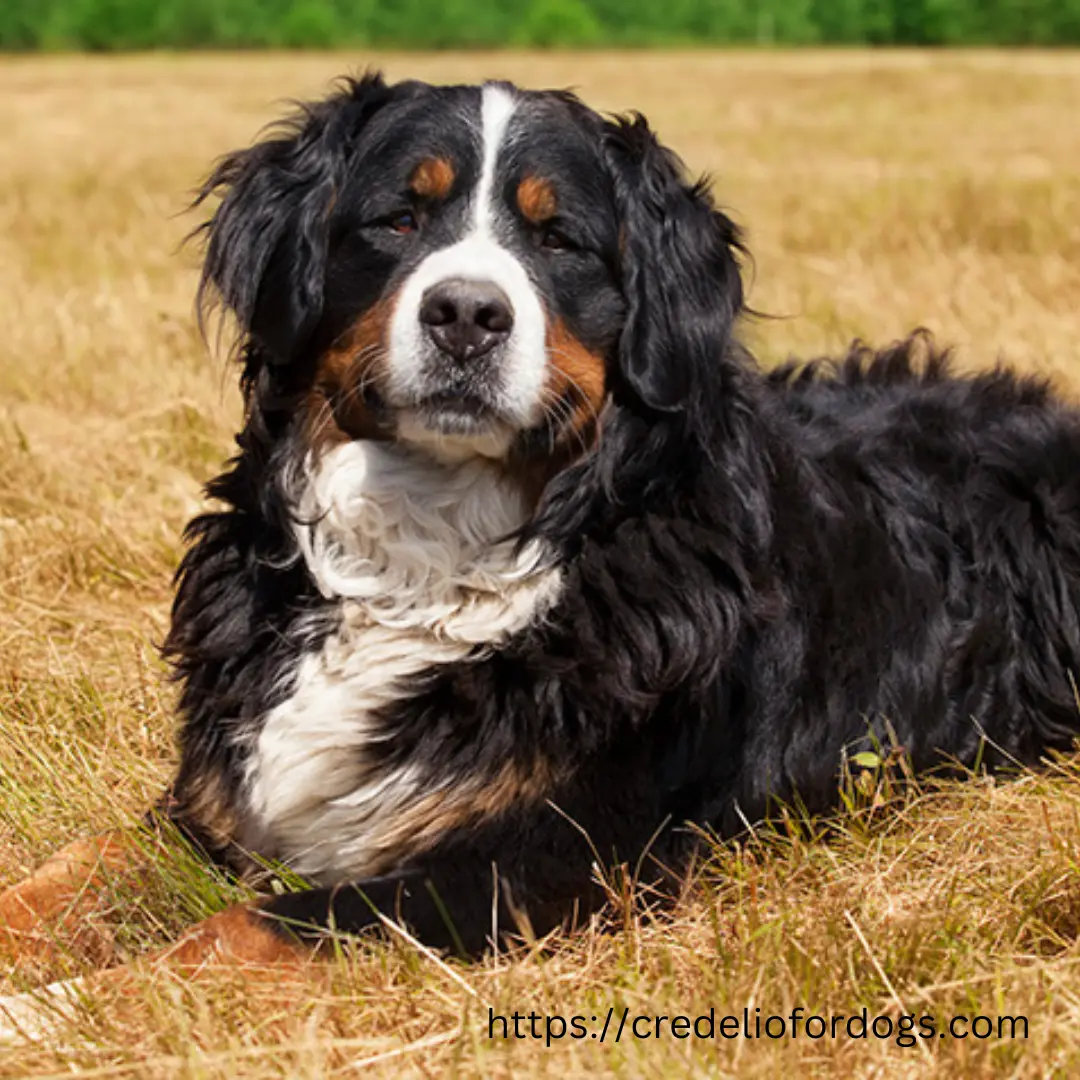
pixel 404 222
pixel 552 239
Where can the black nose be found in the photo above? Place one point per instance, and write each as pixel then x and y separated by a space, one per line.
pixel 466 319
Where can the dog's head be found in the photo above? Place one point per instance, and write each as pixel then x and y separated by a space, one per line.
pixel 474 270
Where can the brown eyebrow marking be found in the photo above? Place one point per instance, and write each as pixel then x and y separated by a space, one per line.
pixel 536 199
pixel 432 178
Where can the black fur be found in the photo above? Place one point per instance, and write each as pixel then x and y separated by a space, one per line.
pixel 762 572
pixel 268 240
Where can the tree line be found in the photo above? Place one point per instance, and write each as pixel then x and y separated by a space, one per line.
pixel 107 25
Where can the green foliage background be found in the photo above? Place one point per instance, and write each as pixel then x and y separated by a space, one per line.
pixel 180 24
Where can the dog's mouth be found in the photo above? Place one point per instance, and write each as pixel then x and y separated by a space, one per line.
pixel 450 423
pixel 454 425
pixel 451 413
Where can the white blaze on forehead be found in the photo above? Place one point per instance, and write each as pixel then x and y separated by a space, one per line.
pixel 496 107
pixel 476 256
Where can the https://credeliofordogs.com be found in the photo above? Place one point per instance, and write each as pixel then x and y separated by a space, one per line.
pixel 616 1024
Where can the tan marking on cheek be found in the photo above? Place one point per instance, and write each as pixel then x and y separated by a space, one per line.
pixel 579 377
pixel 238 936
pixel 433 178
pixel 537 200
pixel 335 407
pixel 574 394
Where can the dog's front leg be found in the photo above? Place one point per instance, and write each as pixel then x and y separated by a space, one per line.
pixel 462 901
pixel 288 930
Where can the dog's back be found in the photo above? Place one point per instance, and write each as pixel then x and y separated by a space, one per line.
pixel 932 550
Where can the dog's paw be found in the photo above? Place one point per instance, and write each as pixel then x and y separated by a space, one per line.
pixel 238 936
pixel 36 948
pixel 57 917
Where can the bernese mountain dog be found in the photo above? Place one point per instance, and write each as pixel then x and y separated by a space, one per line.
pixel 523 569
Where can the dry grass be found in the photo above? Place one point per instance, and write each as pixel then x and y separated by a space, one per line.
pixel 880 192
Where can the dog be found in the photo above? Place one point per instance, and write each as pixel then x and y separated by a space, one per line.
pixel 523 567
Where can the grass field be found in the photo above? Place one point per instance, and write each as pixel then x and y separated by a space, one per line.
pixel 880 192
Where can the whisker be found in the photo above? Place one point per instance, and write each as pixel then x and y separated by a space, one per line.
pixel 558 409
pixel 365 360
pixel 569 409
pixel 586 400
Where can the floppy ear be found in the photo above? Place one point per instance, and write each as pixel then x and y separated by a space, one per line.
pixel 679 269
pixel 266 254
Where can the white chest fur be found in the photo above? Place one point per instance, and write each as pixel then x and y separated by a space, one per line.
pixel 413 552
